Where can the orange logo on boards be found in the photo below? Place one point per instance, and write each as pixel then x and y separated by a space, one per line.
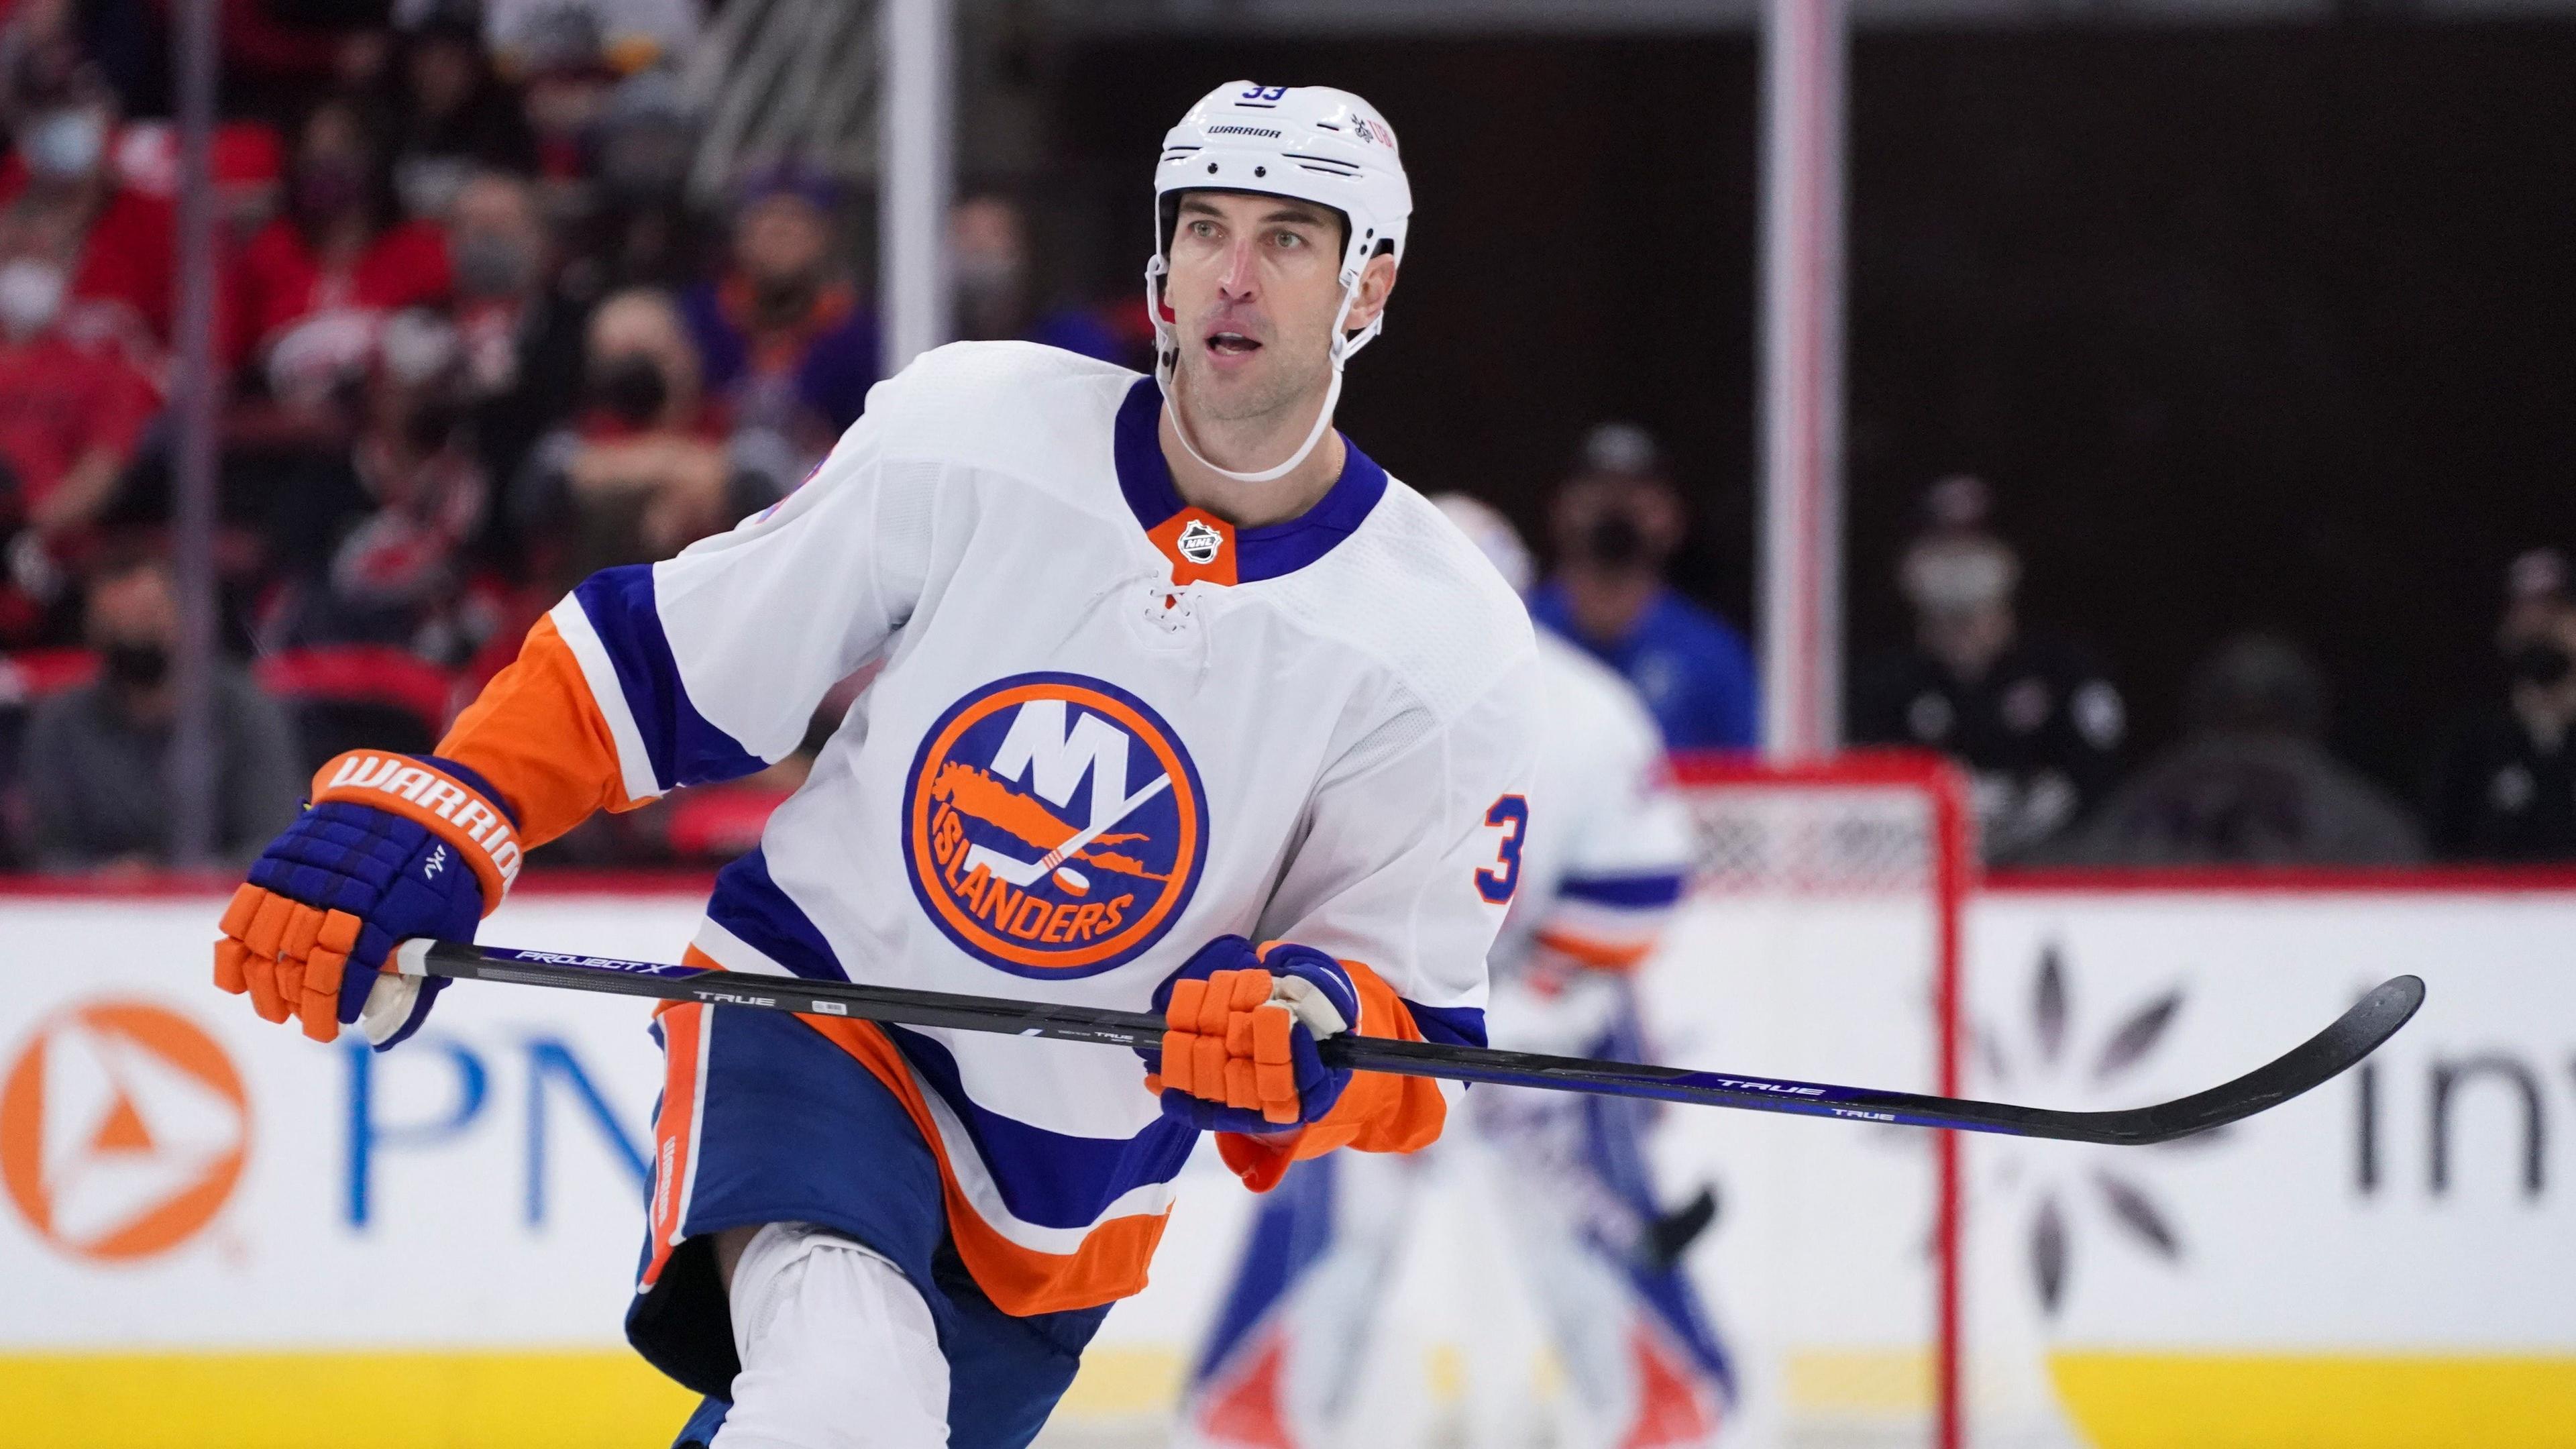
pixel 123 1130
pixel 1054 825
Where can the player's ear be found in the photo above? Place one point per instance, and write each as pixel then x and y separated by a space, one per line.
pixel 1377 283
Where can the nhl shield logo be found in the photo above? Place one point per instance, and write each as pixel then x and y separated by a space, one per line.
pixel 1199 543
pixel 1054 826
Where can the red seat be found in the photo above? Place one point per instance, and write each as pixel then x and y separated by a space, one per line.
pixel 31 674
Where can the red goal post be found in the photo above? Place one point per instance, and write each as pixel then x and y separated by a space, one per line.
pixel 1861 824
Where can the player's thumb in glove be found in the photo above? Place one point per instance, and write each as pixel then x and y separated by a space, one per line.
pixel 1239 1050
pixel 393 847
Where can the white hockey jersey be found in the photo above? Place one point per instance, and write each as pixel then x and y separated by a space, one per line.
pixel 1108 727
pixel 1599 882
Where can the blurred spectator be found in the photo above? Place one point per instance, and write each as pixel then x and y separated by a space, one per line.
pixel 98 757
pixel 1617 522
pixel 637 228
pixel 645 469
pixel 2504 788
pixel 997 298
pixel 123 38
pixel 113 242
pixel 565 84
pixel 456 117
pixel 628 34
pixel 70 417
pixel 2035 721
pixel 313 284
pixel 2253 783
pixel 780 335
pixel 372 537
pixel 249 165
pixel 521 333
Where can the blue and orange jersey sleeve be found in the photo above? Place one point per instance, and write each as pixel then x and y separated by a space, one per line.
pixel 706 666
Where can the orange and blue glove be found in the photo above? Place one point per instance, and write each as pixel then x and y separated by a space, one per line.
pixel 1238 1051
pixel 392 847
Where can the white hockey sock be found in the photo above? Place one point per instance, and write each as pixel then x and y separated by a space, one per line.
pixel 838 1349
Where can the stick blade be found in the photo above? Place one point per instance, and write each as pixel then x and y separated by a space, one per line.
pixel 2318 1060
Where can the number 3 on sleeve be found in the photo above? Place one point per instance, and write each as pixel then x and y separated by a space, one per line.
pixel 1510 814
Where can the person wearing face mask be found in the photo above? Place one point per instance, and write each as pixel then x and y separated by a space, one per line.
pixel 649 464
pixel 2504 788
pixel 781 336
pixel 70 419
pixel 97 758
pixel 2034 719
pixel 338 251
pixel 1617 522
pixel 115 244
pixel 520 331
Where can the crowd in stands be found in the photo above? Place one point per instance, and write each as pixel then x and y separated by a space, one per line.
pixel 2039 725
pixel 484 328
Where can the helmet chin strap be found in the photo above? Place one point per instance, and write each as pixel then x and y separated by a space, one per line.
pixel 1166 370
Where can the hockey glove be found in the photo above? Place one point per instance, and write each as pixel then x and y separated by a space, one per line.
pixel 1238 1051
pixel 393 847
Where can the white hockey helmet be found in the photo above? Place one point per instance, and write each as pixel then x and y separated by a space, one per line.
pixel 1311 143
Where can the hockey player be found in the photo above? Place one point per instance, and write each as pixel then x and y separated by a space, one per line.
pixel 1184 705
pixel 1643 1369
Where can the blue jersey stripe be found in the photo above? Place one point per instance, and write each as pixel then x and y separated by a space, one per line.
pixel 760 915
pixel 1048 1178
pixel 685 749
pixel 1635 892
pixel 1455 1025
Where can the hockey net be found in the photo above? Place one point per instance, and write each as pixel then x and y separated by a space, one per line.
pixel 1822 940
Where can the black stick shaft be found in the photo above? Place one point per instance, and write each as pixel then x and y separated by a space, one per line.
pixel 2351 1037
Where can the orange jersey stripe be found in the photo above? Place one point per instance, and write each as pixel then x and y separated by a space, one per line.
pixel 1110 1264
pixel 1601 955
pixel 675 1145
pixel 1376 1113
pixel 537 735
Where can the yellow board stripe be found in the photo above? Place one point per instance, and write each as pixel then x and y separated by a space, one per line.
pixel 419 1400
pixel 2259 1401
pixel 612 1400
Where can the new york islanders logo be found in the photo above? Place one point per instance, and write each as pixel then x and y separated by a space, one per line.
pixel 1054 826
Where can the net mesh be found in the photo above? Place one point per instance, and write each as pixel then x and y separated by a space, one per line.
pixel 1804 838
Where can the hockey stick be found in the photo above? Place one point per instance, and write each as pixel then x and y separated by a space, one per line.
pixel 2354 1035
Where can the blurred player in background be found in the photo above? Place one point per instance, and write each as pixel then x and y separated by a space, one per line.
pixel 1168 668
pixel 1569 1173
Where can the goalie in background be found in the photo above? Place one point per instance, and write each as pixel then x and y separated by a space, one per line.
pixel 1285 1365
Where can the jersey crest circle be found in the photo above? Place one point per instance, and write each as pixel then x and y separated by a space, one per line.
pixel 1053 825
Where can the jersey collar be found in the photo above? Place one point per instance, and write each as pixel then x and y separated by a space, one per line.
pixel 1203 546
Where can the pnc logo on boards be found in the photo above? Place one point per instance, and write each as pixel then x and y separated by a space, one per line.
pixel 1054 826
pixel 123 1130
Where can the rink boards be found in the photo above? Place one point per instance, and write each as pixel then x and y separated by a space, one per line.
pixel 215 1233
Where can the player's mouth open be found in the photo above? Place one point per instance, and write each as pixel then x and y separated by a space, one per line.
pixel 1231 344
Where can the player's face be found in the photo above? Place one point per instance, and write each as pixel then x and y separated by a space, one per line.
pixel 1254 287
